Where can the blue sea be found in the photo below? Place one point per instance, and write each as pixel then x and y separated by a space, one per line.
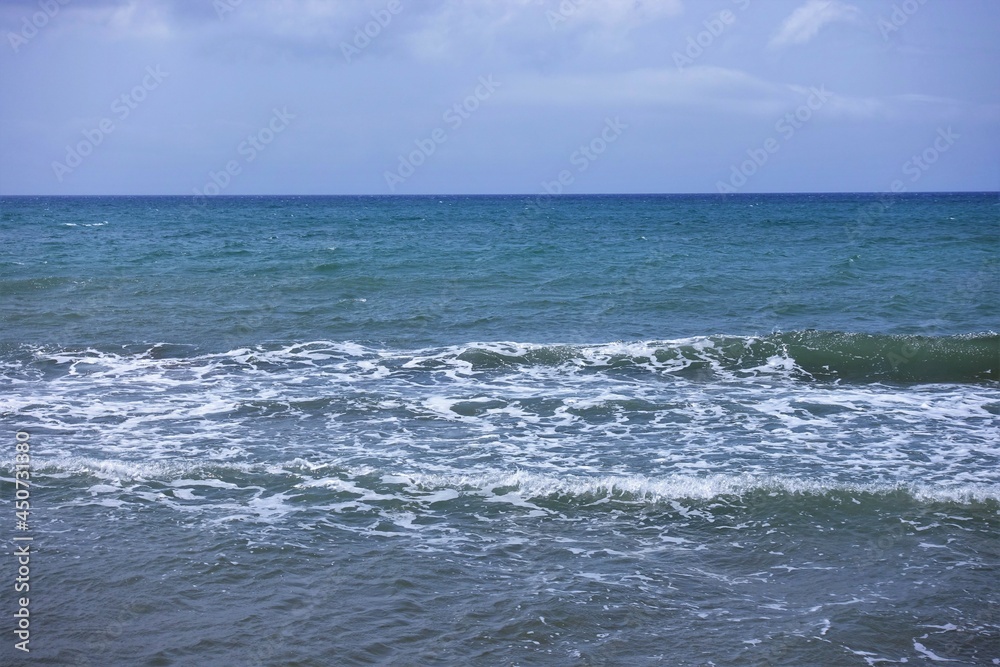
pixel 697 430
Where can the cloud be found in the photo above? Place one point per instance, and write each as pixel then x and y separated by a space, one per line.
pixel 109 19
pixel 456 28
pixel 712 88
pixel 444 30
pixel 612 13
pixel 803 24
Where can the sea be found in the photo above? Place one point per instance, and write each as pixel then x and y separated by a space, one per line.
pixel 703 430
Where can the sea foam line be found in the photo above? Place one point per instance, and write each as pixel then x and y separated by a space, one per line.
pixel 522 483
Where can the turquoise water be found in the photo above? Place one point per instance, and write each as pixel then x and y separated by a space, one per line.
pixel 435 271
pixel 678 430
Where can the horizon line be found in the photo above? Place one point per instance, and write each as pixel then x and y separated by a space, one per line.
pixel 563 195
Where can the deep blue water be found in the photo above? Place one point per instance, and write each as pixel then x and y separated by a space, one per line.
pixel 677 430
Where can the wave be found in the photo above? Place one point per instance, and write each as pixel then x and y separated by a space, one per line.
pixel 641 488
pixel 801 355
pixel 515 486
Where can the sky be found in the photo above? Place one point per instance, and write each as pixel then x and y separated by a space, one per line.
pixel 235 97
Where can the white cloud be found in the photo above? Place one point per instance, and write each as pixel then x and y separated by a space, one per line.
pixel 440 31
pixel 617 13
pixel 457 27
pixel 803 24
pixel 125 20
pixel 722 89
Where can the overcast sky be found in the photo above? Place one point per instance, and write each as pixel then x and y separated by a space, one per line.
pixel 498 96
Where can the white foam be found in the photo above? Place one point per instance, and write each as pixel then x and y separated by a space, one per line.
pixel 930 655
pixel 535 485
pixel 566 427
pixel 215 483
pixel 440 496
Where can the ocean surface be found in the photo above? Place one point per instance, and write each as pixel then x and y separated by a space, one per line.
pixel 606 430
